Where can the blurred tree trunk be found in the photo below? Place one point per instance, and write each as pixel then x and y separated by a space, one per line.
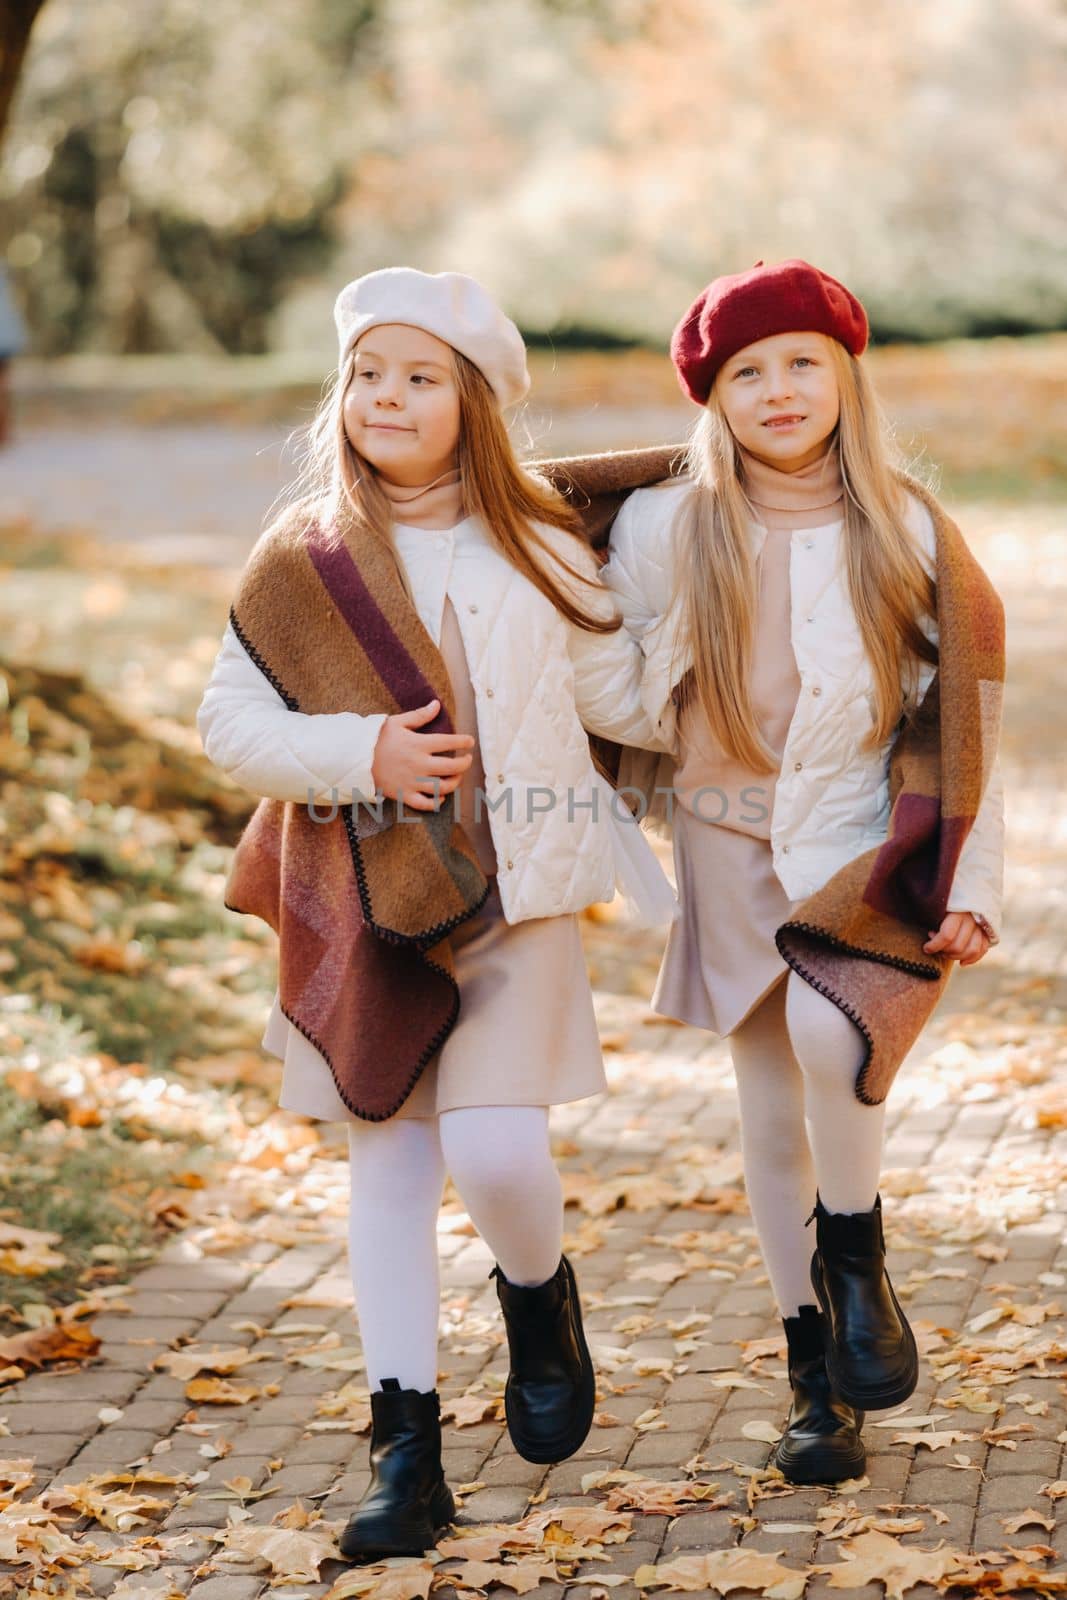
pixel 16 19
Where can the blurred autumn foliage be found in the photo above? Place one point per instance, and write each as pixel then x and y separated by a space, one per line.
pixel 116 955
pixel 181 177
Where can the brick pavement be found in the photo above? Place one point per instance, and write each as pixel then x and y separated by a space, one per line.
pixel 974 1210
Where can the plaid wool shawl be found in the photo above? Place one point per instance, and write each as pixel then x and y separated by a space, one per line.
pixel 859 939
pixel 362 907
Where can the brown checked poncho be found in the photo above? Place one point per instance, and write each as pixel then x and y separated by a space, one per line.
pixel 362 904
pixel 859 940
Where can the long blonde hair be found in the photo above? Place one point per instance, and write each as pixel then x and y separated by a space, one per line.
pixel 889 587
pixel 344 487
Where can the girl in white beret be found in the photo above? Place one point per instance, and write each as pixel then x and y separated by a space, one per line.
pixel 415 652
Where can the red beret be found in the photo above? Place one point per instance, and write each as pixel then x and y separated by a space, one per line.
pixel 736 310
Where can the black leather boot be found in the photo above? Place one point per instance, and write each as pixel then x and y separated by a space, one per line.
pixel 871 1359
pixel 551 1389
pixel 408 1501
pixel 821 1443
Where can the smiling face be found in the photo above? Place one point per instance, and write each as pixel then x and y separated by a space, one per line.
pixel 401 408
pixel 780 397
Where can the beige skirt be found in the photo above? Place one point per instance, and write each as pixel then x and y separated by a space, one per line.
pixel 526 1033
pixel 721 958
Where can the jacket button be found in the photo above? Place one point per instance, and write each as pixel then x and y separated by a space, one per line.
pixel 797 766
pixel 474 608
pixel 489 694
pixel 816 690
pixel 785 849
pixel 500 777
pixel 510 865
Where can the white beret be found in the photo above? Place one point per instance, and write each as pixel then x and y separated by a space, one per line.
pixel 449 304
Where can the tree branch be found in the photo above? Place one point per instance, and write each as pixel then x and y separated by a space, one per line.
pixel 17 18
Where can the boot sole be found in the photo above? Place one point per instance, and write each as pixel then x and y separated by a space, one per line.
pixel 390 1536
pixel 879 1397
pixel 825 1466
pixel 559 1449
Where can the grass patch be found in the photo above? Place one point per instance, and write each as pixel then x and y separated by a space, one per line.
pixel 93 1187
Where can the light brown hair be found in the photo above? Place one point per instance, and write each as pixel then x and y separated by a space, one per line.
pixel 888 585
pixel 495 487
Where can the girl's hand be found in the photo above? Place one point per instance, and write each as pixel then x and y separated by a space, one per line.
pixel 407 766
pixel 960 937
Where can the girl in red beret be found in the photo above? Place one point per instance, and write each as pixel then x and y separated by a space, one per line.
pixel 785 592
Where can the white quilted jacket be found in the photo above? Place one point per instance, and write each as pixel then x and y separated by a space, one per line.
pixel 832 798
pixel 537 679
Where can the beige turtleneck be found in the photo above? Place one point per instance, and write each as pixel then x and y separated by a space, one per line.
pixel 781 502
pixel 437 504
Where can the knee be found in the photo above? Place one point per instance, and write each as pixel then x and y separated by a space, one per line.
pixel 493 1179
pixel 774 1140
pixel 828 1045
pixel 496 1172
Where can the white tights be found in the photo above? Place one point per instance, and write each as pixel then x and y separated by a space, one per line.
pixel 796 1057
pixel 500 1161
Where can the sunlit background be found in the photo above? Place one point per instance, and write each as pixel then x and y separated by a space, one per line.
pixel 182 177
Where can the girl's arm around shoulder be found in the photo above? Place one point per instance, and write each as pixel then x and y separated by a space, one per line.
pixel 641 559
pixel 249 732
pixel 607 666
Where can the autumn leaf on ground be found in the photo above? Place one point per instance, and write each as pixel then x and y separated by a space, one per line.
pixel 568 1532
pixel 113 1499
pixel 914 1422
pixel 470 1409
pixel 189 1363
pixel 1057 1490
pixel 567 1528
pixel 30 1539
pixel 351 1403
pixel 762 1432
pixel 662 1272
pixel 327 1355
pixel 27 1252
pixel 111 955
pixel 877 1558
pixel 759 1349
pixel 146 1591
pixel 15 1475
pixel 689 1324
pixel 724 1570
pixel 521 1576
pixel 838 1521
pixel 935 1440
pixel 1017 1578
pixel 654 1367
pixel 239 1488
pixel 665 1499
pixel 147 1551
pixel 1025 1519
pixel 395 1580
pixel 485 1542
pixel 293 1554
pixel 220 1392
pixel 39 1347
